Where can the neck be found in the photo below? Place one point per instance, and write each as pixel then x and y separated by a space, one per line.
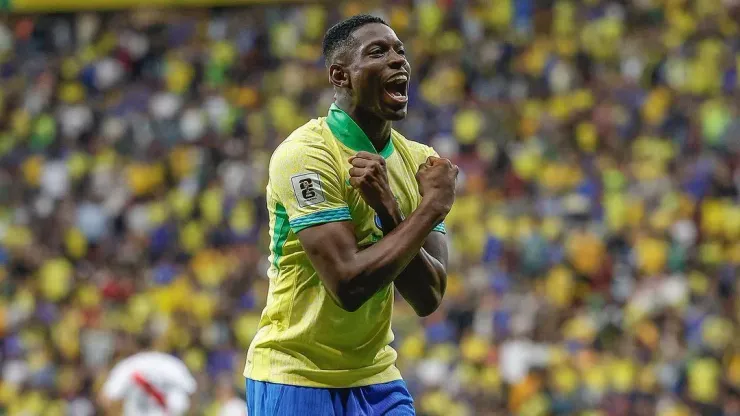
pixel 376 129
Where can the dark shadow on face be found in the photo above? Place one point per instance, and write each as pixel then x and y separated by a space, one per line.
pixel 379 72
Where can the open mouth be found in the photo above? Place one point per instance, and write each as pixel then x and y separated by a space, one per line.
pixel 397 88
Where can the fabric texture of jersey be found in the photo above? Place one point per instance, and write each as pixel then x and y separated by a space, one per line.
pixel 389 399
pixel 304 338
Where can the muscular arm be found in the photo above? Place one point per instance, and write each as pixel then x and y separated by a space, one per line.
pixel 352 275
pixel 424 280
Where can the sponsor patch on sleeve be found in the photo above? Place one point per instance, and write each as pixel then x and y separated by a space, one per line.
pixel 307 189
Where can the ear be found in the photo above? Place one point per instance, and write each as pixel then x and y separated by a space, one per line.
pixel 338 76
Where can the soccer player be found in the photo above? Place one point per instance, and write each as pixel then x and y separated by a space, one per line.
pixel 355 209
pixel 148 384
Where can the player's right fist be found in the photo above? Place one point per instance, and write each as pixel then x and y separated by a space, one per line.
pixel 436 178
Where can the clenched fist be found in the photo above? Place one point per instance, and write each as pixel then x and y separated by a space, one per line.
pixel 368 174
pixel 436 178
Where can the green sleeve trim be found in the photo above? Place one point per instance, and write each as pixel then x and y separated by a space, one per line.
pixel 280 234
pixel 440 228
pixel 320 217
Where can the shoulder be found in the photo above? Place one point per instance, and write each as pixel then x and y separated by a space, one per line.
pixel 418 151
pixel 308 141
pixel 309 135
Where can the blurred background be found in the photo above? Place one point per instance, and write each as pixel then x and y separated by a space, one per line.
pixel 595 242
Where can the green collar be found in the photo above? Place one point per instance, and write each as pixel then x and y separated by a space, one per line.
pixel 351 135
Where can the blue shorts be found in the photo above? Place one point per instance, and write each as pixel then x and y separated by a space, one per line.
pixel 270 399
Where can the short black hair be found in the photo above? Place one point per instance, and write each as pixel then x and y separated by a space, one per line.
pixel 339 36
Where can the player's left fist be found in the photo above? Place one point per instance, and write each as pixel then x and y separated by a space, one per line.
pixel 368 175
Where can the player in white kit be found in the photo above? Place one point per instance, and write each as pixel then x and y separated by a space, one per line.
pixel 149 384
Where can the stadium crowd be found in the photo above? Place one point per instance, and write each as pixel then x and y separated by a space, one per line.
pixel 595 242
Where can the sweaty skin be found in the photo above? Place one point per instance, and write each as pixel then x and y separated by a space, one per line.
pixel 410 254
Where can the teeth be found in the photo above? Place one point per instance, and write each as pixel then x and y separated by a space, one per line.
pixel 396 86
pixel 399 79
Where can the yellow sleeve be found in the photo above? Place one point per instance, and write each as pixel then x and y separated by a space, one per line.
pixel 306 181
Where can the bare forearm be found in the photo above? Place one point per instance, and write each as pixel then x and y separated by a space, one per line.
pixel 351 275
pixel 379 265
pixel 424 280
pixel 423 283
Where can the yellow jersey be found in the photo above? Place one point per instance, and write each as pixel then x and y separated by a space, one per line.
pixel 304 338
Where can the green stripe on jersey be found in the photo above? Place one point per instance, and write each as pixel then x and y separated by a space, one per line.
pixel 440 228
pixel 320 217
pixel 280 233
